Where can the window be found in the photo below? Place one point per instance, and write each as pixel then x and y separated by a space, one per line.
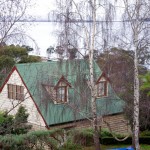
pixel 102 88
pixel 61 94
pixel 15 92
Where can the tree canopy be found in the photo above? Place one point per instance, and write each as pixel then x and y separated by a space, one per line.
pixel 9 55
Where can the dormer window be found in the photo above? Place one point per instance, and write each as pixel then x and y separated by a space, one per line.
pixel 102 86
pixel 62 90
pixel 59 92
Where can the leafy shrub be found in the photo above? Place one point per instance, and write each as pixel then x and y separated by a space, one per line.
pixel 71 146
pixel 83 136
pixel 20 125
pixel 6 122
pixel 37 140
pixel 14 124
pixel 145 133
pixel 105 133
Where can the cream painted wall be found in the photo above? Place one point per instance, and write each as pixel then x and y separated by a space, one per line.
pixel 8 104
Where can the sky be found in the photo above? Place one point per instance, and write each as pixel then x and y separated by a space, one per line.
pixel 41 32
pixel 41 7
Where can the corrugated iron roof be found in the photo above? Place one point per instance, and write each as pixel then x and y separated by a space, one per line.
pixel 35 75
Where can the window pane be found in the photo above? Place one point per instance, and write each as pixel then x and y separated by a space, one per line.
pixel 18 89
pixel 14 91
pixel 20 93
pixel 61 94
pixel 9 87
pixel 9 91
pixel 102 89
pixel 21 89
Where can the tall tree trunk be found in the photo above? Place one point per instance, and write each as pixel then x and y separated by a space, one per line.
pixel 136 102
pixel 136 85
pixel 92 84
pixel 136 81
pixel 93 106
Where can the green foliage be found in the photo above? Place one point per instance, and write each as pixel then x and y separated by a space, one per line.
pixel 105 133
pixel 18 54
pixel 20 125
pixel 30 59
pixel 83 136
pixel 14 125
pixel 145 133
pixel 6 61
pixel 38 140
pixel 71 146
pixel 29 49
pixel 15 52
pixel 6 122
pixel 146 83
pixel 86 132
pixel 9 55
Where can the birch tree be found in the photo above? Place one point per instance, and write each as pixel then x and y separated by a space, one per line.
pixel 135 15
pixel 82 28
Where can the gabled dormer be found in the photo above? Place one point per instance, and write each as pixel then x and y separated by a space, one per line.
pixel 102 85
pixel 61 89
pixel 59 92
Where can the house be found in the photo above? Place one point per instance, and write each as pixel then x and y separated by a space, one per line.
pixel 56 94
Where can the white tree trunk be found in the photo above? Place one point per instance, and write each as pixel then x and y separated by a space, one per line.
pixel 136 80
pixel 92 84
pixel 136 100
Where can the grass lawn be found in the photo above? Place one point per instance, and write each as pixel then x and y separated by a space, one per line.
pixel 104 147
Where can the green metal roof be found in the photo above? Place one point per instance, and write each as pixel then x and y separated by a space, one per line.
pixel 35 75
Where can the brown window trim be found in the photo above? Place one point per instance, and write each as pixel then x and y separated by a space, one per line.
pixel 15 92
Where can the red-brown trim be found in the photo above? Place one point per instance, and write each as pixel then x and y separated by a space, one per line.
pixel 13 69
pixel 102 75
pixel 62 79
pixel 7 78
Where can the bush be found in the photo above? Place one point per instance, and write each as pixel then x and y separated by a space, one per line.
pixel 37 140
pixel 6 123
pixel 71 146
pixel 83 136
pixel 105 133
pixel 145 133
pixel 14 124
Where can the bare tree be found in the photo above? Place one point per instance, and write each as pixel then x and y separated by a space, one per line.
pixel 136 12
pixel 83 29
pixel 12 17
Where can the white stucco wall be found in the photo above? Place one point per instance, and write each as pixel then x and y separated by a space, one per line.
pixel 7 104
